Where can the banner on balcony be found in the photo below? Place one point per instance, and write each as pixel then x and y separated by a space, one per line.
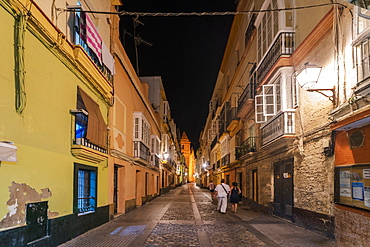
pixel 90 35
pixel 108 59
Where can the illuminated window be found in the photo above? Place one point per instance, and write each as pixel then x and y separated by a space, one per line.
pixel 85 189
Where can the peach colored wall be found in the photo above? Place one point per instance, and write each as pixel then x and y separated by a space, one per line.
pixel 346 156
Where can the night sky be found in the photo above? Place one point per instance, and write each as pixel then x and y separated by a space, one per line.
pixel 187 52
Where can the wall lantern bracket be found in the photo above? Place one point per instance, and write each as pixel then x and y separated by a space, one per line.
pixel 332 97
pixel 308 77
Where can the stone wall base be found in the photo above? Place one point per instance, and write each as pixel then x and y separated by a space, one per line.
pixel 351 229
pixel 319 223
pixel 130 205
pixel 60 230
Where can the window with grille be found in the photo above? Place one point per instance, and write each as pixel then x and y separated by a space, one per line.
pixel 85 189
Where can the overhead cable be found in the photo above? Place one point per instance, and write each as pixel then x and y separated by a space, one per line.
pixel 226 13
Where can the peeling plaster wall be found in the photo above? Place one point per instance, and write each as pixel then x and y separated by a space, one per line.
pixel 19 196
pixel 43 131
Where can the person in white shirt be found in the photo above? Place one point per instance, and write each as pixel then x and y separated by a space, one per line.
pixel 222 190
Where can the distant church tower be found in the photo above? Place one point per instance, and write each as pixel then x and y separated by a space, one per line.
pixel 188 153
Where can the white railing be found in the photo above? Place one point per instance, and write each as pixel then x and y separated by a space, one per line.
pixel 281 124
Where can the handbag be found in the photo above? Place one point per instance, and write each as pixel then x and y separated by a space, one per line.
pixel 225 191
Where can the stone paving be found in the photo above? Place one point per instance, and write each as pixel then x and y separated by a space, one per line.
pixel 186 216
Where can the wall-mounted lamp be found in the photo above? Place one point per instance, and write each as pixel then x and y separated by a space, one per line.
pixel 165 155
pixel 309 75
pixel 307 78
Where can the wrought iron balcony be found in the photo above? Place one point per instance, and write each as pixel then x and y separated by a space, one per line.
pixel 214 142
pixel 232 119
pixel 225 160
pixel 283 45
pixel 141 151
pixel 154 160
pixel 103 69
pixel 248 94
pixel 280 125
pixel 248 147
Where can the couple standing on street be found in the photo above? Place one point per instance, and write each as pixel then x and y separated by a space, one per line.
pixel 222 192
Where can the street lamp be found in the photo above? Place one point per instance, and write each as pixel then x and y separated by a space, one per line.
pixel 308 77
pixel 165 155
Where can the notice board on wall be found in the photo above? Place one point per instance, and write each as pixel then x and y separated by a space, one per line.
pixel 352 186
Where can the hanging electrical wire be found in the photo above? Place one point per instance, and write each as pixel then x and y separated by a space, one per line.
pixel 19 71
pixel 168 14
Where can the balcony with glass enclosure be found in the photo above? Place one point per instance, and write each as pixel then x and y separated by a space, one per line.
pixel 141 152
pixel 283 46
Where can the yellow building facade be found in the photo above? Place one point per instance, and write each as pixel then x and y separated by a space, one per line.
pixel 46 79
pixel 81 141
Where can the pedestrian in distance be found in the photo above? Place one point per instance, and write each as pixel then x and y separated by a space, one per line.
pixel 211 187
pixel 222 191
pixel 235 196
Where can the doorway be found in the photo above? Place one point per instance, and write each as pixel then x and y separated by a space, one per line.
pixel 115 189
pixel 283 189
pixel 255 185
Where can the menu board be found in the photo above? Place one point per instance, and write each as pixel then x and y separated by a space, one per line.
pixel 352 186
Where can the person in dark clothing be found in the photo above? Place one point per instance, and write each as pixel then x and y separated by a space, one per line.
pixel 234 196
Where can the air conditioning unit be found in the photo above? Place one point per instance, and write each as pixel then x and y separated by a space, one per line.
pixel 8 151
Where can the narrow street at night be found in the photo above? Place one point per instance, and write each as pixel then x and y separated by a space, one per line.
pixel 185 216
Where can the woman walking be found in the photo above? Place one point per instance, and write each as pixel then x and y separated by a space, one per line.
pixel 234 196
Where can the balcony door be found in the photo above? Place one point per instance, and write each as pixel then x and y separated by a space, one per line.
pixel 283 189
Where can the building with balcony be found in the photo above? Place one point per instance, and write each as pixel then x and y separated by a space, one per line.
pixel 109 143
pixel 297 144
pixel 57 90
pixel 171 167
pixel 135 140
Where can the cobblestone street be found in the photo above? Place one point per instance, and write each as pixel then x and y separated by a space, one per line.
pixel 185 216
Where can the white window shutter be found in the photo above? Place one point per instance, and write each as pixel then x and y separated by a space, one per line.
pixel 260 118
pixel 269 100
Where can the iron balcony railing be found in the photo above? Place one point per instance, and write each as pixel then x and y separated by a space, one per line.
pixel 280 125
pixel 85 142
pixel 154 160
pixel 225 160
pixel 105 71
pixel 141 151
pixel 214 142
pixel 248 94
pixel 250 29
pixel 247 147
pixel 283 45
pixel 232 115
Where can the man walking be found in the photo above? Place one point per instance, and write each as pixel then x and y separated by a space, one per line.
pixel 222 190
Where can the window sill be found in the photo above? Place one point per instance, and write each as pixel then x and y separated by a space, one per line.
pixel 85 213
